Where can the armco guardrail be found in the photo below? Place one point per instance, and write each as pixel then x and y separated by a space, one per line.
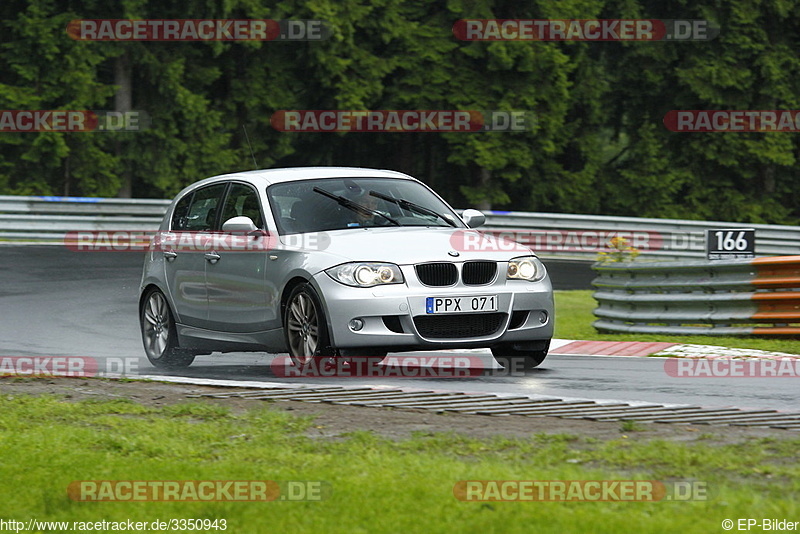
pixel 741 297
pixel 91 206
pixel 558 234
pixel 550 234
pixel 47 219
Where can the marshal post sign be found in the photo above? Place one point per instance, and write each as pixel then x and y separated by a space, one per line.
pixel 731 244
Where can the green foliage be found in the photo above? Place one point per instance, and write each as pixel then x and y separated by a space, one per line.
pixel 631 426
pixel 618 251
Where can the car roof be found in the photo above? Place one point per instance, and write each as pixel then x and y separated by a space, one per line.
pixel 266 177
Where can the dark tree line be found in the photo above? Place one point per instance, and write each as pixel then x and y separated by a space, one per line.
pixel 598 145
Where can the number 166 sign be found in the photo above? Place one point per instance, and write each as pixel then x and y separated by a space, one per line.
pixel 731 244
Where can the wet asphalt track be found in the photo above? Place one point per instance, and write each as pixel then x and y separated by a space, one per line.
pixel 54 302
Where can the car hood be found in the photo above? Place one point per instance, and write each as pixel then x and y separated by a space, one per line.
pixel 409 245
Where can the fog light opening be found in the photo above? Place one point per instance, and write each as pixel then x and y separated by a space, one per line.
pixel 543 317
pixel 356 324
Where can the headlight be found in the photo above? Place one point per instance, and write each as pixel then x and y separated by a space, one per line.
pixel 527 268
pixel 366 274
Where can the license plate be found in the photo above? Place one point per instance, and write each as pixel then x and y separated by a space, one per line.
pixel 461 304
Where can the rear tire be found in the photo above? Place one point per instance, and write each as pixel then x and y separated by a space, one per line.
pixel 159 335
pixel 511 358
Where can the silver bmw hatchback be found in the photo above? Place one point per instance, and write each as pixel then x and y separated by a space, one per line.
pixel 325 262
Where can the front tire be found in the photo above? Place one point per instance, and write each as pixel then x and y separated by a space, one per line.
pixel 159 335
pixel 305 327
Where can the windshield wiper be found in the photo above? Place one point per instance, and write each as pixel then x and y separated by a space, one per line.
pixel 355 206
pixel 410 206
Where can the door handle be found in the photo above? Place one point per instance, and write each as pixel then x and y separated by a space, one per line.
pixel 212 257
pixel 170 255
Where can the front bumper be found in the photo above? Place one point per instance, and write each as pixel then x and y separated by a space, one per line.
pixel 394 316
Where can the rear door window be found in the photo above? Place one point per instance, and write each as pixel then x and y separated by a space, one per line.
pixel 202 211
pixel 181 212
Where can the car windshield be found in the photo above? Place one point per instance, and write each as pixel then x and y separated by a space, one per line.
pixel 341 203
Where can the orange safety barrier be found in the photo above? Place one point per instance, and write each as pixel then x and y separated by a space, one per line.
pixel 777 272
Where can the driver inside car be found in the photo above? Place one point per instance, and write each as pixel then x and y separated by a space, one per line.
pixel 368 219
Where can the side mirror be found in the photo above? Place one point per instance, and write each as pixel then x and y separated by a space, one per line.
pixel 239 225
pixel 473 218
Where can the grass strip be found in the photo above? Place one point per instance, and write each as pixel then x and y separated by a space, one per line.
pixel 377 485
